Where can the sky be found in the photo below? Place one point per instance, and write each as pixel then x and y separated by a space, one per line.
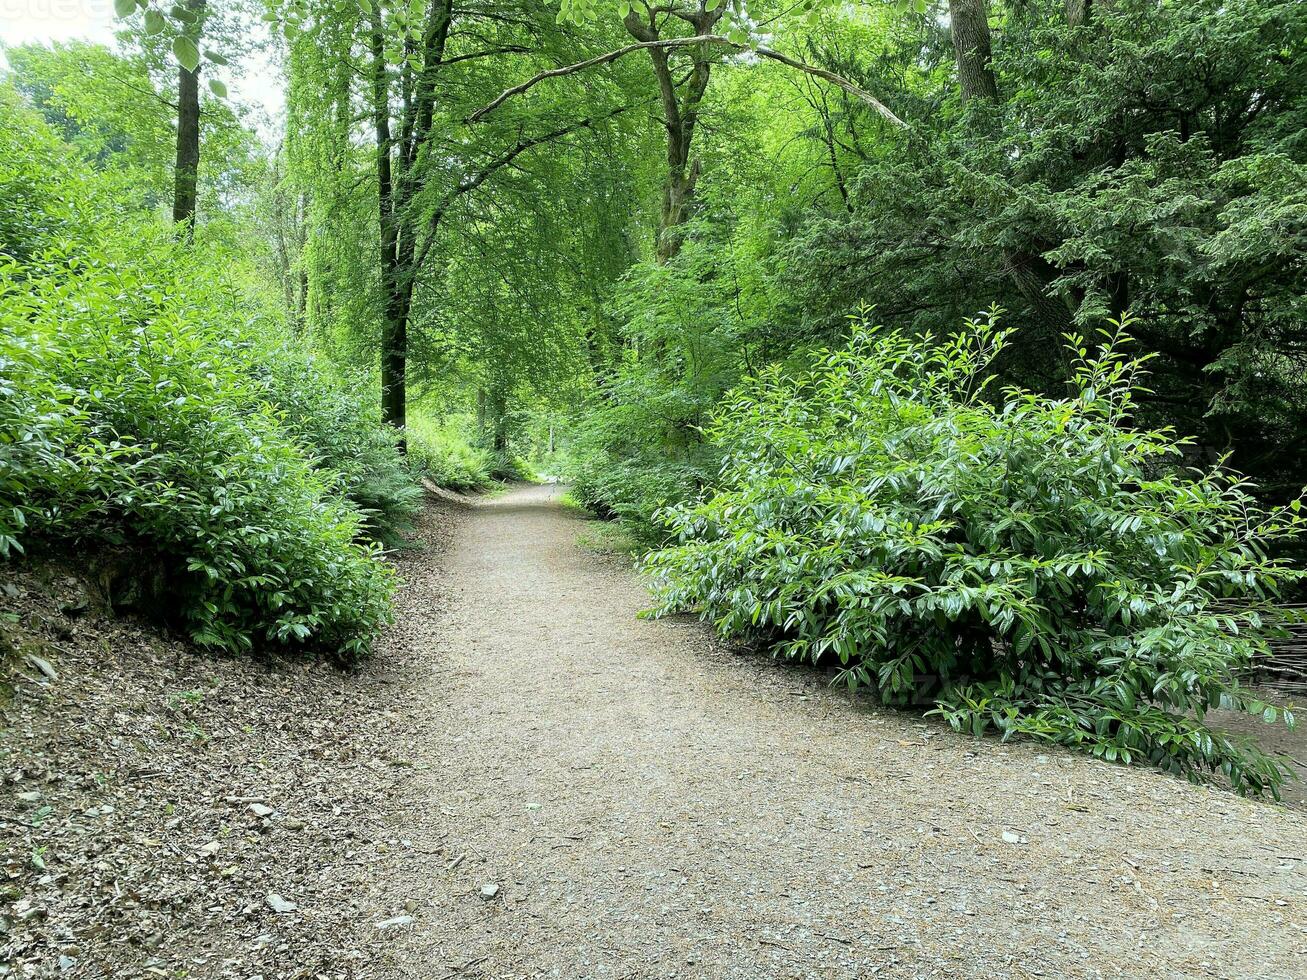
pixel 22 21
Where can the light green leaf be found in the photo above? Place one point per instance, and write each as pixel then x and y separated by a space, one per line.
pixel 124 8
pixel 186 53
pixel 154 22
pixel 217 88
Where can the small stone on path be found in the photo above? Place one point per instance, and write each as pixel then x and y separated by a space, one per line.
pixel 42 665
pixel 279 904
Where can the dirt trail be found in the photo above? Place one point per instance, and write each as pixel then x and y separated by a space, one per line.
pixel 650 804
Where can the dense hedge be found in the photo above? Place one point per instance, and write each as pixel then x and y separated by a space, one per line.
pixel 150 401
pixel 130 416
pixel 1033 565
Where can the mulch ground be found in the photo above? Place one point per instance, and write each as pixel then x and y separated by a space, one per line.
pixel 170 813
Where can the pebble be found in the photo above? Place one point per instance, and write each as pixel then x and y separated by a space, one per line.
pixel 279 904
pixel 489 891
pixel 42 665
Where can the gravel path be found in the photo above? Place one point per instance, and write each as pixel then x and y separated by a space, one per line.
pixel 643 802
pixel 636 799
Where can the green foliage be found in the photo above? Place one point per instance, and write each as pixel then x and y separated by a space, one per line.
pixel 691 327
pixel 446 457
pixel 1150 158
pixel 144 427
pixel 106 107
pixel 149 403
pixel 1034 564
pixel 37 202
pixel 623 463
pixel 339 425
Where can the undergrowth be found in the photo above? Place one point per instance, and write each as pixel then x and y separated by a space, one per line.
pixel 150 403
pixel 1034 566
pixel 441 453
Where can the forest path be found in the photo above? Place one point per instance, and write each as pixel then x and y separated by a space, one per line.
pixel 652 805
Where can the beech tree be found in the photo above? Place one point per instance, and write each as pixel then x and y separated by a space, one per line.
pixel 185 27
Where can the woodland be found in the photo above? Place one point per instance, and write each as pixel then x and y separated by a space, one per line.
pixel 955 346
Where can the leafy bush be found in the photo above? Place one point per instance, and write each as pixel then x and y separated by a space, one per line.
pixel 690 326
pixel 446 457
pixel 633 486
pixel 509 467
pixel 339 424
pixel 130 415
pixel 627 462
pixel 1034 565
pixel 40 196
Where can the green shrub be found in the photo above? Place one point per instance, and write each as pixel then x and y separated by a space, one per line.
pixel 41 195
pixel 507 467
pixel 627 462
pixel 130 416
pixel 634 487
pixel 1034 565
pixel 446 457
pixel 338 421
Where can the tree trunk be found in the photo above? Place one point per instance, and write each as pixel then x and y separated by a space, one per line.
pixel 186 172
pixel 678 200
pixel 680 117
pixel 971 46
pixel 394 325
pixel 499 421
pixel 1030 273
pixel 302 309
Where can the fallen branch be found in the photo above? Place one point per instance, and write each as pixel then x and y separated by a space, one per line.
pixel 680 42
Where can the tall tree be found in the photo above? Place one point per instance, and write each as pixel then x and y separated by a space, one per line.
pixel 1032 274
pixel 974 50
pixel 421 63
pixel 681 100
pixel 188 121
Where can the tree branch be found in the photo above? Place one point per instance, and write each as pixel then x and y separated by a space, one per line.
pixel 680 42
pixel 490 52
pixel 472 181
